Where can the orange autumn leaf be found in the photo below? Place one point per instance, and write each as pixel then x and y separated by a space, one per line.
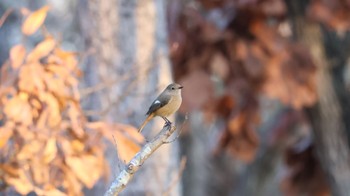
pixel 19 110
pixel 20 182
pixel 54 115
pixel 39 171
pixel 53 192
pixel 9 169
pixel 30 78
pixel 71 182
pixel 42 50
pixel 126 147
pixel 130 132
pixel 30 149
pixel 34 21
pixel 5 135
pixel 75 116
pixel 68 58
pixel 126 137
pixel 235 124
pixel 50 150
pixel 17 55
pixel 82 168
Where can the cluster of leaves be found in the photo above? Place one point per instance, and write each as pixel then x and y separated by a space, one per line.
pixel 46 144
pixel 245 47
pixel 334 14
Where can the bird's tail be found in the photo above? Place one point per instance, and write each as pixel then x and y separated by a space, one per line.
pixel 149 117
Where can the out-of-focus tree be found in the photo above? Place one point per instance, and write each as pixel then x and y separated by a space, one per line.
pixel 229 54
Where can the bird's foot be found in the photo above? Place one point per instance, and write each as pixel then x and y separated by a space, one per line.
pixel 167 124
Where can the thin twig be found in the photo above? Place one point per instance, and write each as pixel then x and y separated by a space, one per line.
pixel 137 161
pixel 4 16
pixel 116 148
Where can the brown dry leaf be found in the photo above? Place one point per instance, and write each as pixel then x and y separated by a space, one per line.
pixel 30 78
pixel 87 168
pixel 21 182
pixel 69 58
pixel 126 148
pixel 30 149
pixel 42 120
pixel 39 170
pixel 56 85
pixel 66 147
pixel 71 182
pixel 9 169
pixel 291 77
pixel 78 146
pixel 35 103
pixel 75 117
pixel 130 132
pixel 5 135
pixel 59 70
pixel 17 55
pixel 26 131
pixel 268 36
pixel 42 50
pixel 53 192
pixel 236 124
pixel 50 150
pixel 19 110
pixel 225 105
pixel 34 20
pixel 127 138
pixel 54 115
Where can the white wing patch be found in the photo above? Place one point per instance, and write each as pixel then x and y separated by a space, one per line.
pixel 156 102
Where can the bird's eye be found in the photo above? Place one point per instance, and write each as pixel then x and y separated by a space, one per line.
pixel 172 88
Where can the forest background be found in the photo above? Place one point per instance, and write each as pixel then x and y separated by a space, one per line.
pixel 266 95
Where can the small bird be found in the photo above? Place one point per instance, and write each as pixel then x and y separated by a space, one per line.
pixel 167 103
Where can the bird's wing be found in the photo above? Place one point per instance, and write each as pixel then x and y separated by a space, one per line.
pixel 158 103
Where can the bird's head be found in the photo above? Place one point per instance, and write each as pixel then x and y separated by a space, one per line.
pixel 174 88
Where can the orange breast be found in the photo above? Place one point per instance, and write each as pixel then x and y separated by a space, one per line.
pixel 170 108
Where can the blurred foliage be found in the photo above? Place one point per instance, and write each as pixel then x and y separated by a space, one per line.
pixel 229 53
pixel 47 145
pixel 249 55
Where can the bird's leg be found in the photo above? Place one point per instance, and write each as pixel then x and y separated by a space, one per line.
pixel 167 121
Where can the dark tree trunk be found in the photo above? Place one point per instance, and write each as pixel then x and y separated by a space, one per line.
pixel 326 116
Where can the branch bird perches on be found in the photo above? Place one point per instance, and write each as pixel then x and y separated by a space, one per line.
pixel 137 161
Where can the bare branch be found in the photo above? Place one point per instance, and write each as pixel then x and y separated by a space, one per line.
pixel 134 165
pixel 118 159
pixel 5 15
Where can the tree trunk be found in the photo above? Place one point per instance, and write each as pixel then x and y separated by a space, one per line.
pixel 329 129
pixel 129 54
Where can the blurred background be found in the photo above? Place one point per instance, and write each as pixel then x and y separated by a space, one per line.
pixel 266 95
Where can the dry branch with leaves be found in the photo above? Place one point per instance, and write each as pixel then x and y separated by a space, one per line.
pixel 137 161
pixel 47 145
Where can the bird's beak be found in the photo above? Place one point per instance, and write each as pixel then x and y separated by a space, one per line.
pixel 180 87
